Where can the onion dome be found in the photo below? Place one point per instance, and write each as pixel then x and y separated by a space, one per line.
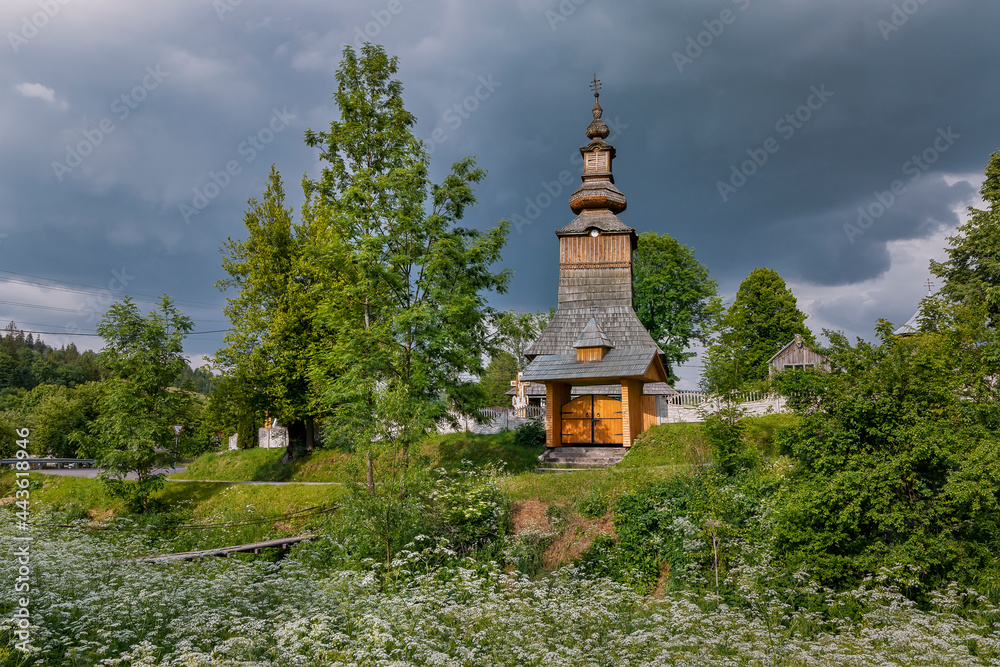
pixel 597 192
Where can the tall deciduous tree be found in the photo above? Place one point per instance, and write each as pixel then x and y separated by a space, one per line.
pixel 762 319
pixel 675 297
pixel 972 270
pixel 267 347
pixel 402 307
pixel 143 355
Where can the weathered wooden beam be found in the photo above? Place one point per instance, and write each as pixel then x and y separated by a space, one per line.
pixel 226 552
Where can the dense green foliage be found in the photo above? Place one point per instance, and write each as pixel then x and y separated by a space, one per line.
pixel 898 457
pixel 675 297
pixel 133 432
pixel 267 349
pixel 401 321
pixel 688 530
pixel 972 270
pixel 26 362
pixel 402 310
pixel 763 318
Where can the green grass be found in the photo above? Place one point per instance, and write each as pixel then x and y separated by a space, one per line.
pixel 662 451
pixel 76 494
pixel 449 450
pixel 265 465
pixel 674 445
pixel 205 500
pixel 762 430
pixel 324 465
pixel 238 466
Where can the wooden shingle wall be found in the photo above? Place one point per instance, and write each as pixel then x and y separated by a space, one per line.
pixel 605 249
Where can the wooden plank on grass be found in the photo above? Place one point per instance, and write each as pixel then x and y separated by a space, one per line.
pixel 255 547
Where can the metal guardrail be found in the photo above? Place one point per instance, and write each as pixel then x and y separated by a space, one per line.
pixel 38 464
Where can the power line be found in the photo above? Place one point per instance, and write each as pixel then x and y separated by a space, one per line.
pixel 74 333
pixel 90 289
pixel 20 304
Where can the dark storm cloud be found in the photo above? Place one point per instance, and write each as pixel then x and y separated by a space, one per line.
pixel 828 102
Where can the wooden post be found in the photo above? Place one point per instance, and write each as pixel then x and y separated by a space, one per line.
pixel 631 411
pixel 556 395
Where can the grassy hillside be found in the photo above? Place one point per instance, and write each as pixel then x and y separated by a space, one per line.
pixel 570 508
pixel 450 451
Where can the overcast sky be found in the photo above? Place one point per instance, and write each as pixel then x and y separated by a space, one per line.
pixel 836 142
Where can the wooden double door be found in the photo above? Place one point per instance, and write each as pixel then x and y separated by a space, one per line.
pixel 592 420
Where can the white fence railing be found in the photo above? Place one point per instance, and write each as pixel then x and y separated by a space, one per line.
pixel 527 412
pixel 697 398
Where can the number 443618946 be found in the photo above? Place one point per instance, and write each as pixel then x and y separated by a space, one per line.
pixel 22 478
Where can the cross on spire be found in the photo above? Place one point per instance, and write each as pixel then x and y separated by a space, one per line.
pixel 929 285
pixel 595 85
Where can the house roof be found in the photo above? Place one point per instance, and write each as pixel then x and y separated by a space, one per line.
pixel 618 322
pixel 795 341
pixel 648 389
pixel 912 326
pixel 634 363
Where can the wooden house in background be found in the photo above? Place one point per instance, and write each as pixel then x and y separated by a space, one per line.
pixel 595 337
pixel 796 355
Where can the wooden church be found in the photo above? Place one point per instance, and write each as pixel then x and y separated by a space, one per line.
pixel 595 337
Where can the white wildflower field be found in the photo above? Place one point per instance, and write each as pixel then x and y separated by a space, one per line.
pixel 91 604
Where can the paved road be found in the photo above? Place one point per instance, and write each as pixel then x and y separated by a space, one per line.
pixel 92 472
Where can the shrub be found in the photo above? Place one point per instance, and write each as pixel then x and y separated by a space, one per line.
pixel 531 434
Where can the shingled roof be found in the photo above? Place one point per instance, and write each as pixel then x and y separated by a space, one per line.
pixel 592 336
pixel 615 364
pixel 602 220
pixel 619 323
pixel 537 389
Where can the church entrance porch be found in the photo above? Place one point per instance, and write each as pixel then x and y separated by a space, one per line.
pixel 592 420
